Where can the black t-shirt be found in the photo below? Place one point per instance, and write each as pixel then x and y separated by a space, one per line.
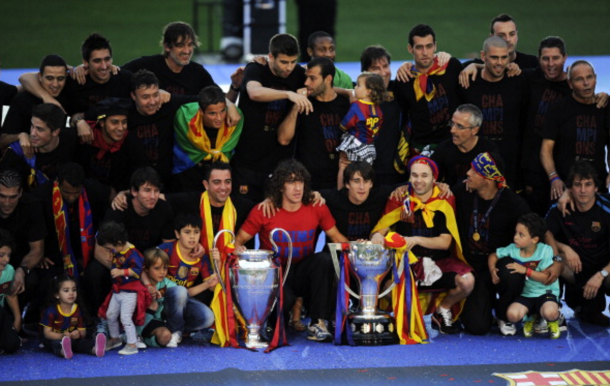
pixel 189 81
pixel 258 148
pixel 146 231
pixel 543 95
pixel 580 132
pixel 7 92
pixel 97 195
pixel 496 232
pixel 503 104
pixel 318 135
pixel 81 97
pixel 47 163
pixel 19 116
pixel 155 133
pixel 112 169
pixel 428 120
pixel 453 163
pixel 356 221
pixel 26 224
pixel 189 202
pixel 386 144
pixel 418 228
pixel 587 233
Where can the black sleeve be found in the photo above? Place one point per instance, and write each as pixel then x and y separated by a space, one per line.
pixel 7 92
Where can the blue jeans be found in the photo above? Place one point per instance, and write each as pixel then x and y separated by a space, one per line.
pixel 184 313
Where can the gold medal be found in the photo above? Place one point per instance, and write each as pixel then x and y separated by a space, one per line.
pixel 476 236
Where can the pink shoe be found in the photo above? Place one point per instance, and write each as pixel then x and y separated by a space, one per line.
pixel 66 346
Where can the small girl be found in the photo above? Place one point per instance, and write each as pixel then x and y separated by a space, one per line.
pixel 531 257
pixel 127 290
pixel 63 327
pixel 155 331
pixel 362 123
pixel 9 324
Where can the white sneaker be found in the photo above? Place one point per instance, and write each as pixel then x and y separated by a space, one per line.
pixel 176 338
pixel 140 342
pixel 506 328
pixel 540 326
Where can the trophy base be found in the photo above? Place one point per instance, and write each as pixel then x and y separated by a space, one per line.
pixel 256 344
pixel 379 330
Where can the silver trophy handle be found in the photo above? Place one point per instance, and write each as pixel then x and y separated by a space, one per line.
pixel 276 249
pixel 216 271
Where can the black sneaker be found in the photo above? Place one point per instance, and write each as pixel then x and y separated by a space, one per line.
pixel 443 323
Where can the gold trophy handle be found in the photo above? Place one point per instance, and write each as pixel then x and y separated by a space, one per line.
pixel 216 271
pixel 276 249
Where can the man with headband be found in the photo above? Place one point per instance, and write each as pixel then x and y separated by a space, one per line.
pixel 487 216
pixel 427 222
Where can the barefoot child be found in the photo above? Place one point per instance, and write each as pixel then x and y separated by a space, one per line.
pixel 362 123
pixel 63 327
pixel 531 257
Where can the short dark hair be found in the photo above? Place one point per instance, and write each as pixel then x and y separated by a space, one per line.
pixel 284 44
pixel 111 232
pixel 52 61
pixel 216 165
pixel 535 225
pixel 9 178
pixel 421 31
pixel 185 219
pixel 374 83
pixel 311 40
pixel 327 67
pixel 584 170
pixel 7 239
pixel 145 175
pixel 493 41
pixel 51 114
pixel 364 168
pixel 288 170
pixel 72 173
pixel 176 30
pixel 144 78
pixel 552 42
pixel 476 116
pixel 371 54
pixel 94 42
pixel 210 95
pixel 501 18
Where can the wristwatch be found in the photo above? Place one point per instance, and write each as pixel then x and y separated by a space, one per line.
pixel 604 273
pixel 558 259
pixel 26 270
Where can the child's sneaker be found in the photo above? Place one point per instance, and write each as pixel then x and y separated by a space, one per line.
pixel 528 327
pixel 100 345
pixel 507 328
pixel 554 332
pixel 562 322
pixel 176 338
pixel 113 343
pixel 66 347
pixel 128 350
pixel 540 326
pixel 140 342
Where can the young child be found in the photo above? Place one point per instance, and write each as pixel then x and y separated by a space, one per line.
pixel 9 324
pixel 362 123
pixel 184 312
pixel 154 331
pixel 63 327
pixel 531 257
pixel 126 286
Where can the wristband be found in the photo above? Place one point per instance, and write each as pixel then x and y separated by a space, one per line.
pixel 126 272
pixel 552 174
pixel 554 179
pixel 528 272
pixel 236 89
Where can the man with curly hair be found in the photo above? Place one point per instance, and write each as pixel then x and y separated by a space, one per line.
pixel 311 275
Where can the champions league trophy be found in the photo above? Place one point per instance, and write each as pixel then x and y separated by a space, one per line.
pixel 370 263
pixel 254 279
